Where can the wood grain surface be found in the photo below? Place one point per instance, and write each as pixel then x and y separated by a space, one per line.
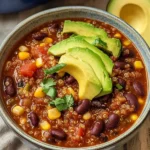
pixel 8 21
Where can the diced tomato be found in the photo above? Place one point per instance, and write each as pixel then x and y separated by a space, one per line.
pixel 28 69
pixel 80 131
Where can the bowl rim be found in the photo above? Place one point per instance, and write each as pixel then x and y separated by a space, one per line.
pixel 110 143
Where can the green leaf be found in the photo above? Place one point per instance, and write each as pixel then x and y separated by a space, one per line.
pixel 119 87
pixel 51 92
pixel 63 103
pixel 54 69
pixel 48 82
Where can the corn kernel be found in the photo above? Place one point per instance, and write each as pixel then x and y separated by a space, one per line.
pixel 134 117
pixel 23 55
pixel 61 74
pixel 138 64
pixel 71 91
pixel 126 42
pixel 39 62
pixel 23 120
pixel 87 116
pixel 47 40
pixel 53 113
pixel 117 35
pixel 45 125
pixel 39 93
pixel 42 44
pixel 18 110
pixel 141 101
pixel 23 48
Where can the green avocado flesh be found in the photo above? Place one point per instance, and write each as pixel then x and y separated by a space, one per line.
pixel 95 62
pixel 61 48
pixel 89 85
pixel 88 30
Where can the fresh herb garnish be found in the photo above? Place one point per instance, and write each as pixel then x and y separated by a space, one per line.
pixel 48 87
pixel 99 43
pixel 54 69
pixel 119 87
pixel 63 103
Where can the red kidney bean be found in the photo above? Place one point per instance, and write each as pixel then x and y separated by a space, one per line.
pixel 122 82
pixel 132 99
pixel 97 128
pixel 138 88
pixel 113 121
pixel 58 134
pixel 119 65
pixel 10 88
pixel 34 119
pixel 83 106
pixel 39 36
pixel 70 80
pixel 98 104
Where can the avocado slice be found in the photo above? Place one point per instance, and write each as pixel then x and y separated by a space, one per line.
pixel 134 12
pixel 61 48
pixel 89 85
pixel 96 63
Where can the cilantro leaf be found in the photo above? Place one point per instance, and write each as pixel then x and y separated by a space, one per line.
pixel 63 103
pixel 54 69
pixel 51 92
pixel 119 87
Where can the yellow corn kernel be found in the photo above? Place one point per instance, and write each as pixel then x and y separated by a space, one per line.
pixel 23 55
pixel 134 117
pixel 117 35
pixel 39 62
pixel 53 113
pixel 47 40
pixel 45 125
pixel 18 110
pixel 23 120
pixel 141 101
pixel 23 48
pixel 42 44
pixel 39 93
pixel 71 91
pixel 87 116
pixel 61 74
pixel 126 43
pixel 138 64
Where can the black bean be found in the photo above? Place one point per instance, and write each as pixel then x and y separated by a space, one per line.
pixel 113 121
pixel 39 36
pixel 119 65
pixel 34 119
pixel 10 88
pixel 138 88
pixel 83 107
pixel 132 100
pixel 122 82
pixel 98 104
pixel 97 128
pixel 58 134
pixel 70 80
pixel 20 83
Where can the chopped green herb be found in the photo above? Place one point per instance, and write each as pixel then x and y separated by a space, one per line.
pixel 54 69
pixel 48 87
pixel 99 43
pixel 119 87
pixel 63 103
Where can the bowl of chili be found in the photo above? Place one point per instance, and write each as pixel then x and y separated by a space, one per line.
pixel 43 98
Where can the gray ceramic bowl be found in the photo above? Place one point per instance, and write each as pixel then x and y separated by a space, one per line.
pixel 74 12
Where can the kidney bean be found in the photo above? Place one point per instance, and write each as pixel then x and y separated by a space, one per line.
pixel 132 99
pixel 138 88
pixel 70 80
pixel 9 86
pixel 97 128
pixel 39 36
pixel 34 119
pixel 83 106
pixel 119 65
pixel 122 82
pixel 98 104
pixel 58 134
pixel 113 121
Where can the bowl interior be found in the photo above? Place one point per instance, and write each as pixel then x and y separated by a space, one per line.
pixel 73 12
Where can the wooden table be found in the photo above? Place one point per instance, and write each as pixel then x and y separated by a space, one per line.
pixel 7 22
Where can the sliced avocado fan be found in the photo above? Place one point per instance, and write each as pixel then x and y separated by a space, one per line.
pixel 61 48
pixel 89 85
pixel 88 30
